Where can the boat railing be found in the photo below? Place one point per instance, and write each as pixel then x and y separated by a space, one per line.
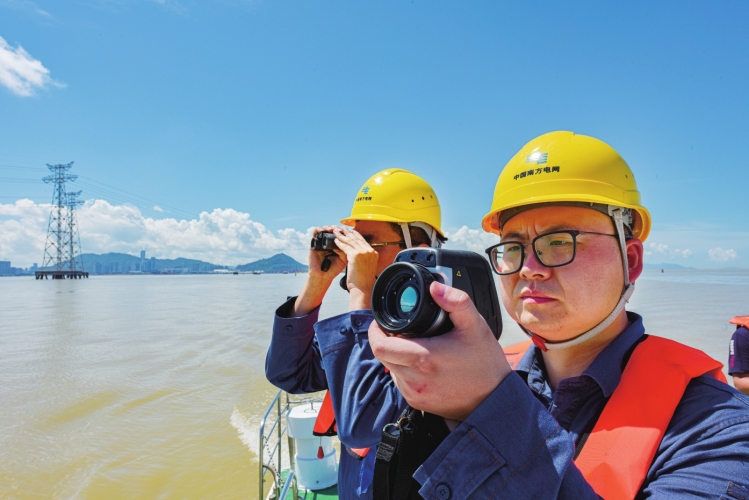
pixel 273 429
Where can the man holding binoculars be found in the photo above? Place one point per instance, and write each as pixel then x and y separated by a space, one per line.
pixel 592 406
pixel 394 210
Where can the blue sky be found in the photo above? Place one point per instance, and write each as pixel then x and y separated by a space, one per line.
pixel 225 129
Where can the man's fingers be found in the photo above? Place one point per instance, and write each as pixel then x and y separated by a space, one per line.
pixel 394 350
pixel 352 238
pixel 448 298
pixel 462 311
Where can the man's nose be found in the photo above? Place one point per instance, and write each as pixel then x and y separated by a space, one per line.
pixel 532 267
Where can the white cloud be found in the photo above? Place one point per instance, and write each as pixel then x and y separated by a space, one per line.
pixel 20 72
pixel 173 5
pixel 663 249
pixel 223 236
pixel 720 255
pixel 158 209
pixel 476 240
pixel 24 6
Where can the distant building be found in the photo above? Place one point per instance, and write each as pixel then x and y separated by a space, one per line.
pixel 142 261
pixel 4 268
pixel 176 270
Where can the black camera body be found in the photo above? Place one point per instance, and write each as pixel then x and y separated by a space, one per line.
pixel 323 241
pixel 402 304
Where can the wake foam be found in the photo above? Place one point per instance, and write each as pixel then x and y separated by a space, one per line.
pixel 247 431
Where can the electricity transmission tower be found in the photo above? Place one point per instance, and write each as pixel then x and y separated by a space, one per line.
pixel 74 240
pixel 63 248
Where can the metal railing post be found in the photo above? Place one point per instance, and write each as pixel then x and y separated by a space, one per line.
pixel 292 457
pixel 280 441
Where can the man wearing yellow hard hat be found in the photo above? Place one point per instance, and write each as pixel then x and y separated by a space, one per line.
pixel 591 406
pixel 395 209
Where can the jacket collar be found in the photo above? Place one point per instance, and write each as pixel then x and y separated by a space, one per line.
pixel 601 369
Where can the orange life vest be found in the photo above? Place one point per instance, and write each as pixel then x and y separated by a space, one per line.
pixel 325 425
pixel 620 449
pixel 740 321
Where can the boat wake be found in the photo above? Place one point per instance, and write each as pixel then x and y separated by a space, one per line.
pixel 247 431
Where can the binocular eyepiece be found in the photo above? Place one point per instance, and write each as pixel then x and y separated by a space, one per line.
pixel 402 303
pixel 323 241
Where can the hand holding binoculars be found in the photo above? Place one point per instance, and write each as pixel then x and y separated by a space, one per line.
pixel 324 242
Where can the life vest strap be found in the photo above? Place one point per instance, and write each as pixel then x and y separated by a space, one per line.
pixel 515 352
pixel 326 425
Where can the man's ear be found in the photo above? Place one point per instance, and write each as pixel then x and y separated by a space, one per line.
pixel 635 252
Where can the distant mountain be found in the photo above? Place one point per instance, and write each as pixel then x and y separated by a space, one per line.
pixel 665 266
pixel 122 263
pixel 279 263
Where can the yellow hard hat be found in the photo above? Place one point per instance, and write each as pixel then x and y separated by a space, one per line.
pixel 396 195
pixel 564 167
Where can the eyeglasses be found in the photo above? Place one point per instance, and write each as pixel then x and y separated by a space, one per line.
pixel 375 245
pixel 553 249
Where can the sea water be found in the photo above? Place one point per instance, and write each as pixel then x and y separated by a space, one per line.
pixel 153 386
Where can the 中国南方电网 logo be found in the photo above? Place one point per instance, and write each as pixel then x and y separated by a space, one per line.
pixel 537 157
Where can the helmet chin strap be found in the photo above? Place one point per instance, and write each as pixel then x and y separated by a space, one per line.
pixel 617 213
pixel 434 240
pixel 406 234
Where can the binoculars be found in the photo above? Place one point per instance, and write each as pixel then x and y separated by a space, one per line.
pixel 323 241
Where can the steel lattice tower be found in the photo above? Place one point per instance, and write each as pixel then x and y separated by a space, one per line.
pixel 63 247
pixel 74 240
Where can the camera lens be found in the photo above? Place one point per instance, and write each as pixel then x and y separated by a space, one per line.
pixel 409 298
pixel 401 302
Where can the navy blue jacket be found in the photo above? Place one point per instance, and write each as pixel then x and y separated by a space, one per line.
pixel 738 352
pixel 294 364
pixel 519 442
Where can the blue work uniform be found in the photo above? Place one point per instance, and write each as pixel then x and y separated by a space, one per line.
pixel 294 364
pixel 519 443
pixel 738 352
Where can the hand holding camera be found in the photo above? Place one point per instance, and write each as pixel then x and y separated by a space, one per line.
pixel 448 375
pixel 437 321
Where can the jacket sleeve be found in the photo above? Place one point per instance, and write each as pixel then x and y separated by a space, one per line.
pixel 293 361
pixel 705 451
pixel 364 397
pixel 509 447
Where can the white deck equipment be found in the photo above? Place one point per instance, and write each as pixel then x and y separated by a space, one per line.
pixel 312 473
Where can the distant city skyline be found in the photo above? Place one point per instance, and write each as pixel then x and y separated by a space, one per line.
pixel 123 263
pixel 225 130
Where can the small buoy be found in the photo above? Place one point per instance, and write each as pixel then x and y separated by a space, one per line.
pixel 320 453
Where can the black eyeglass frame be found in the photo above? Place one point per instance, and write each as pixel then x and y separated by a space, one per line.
pixel 572 232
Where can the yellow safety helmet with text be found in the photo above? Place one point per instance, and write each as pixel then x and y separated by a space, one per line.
pixel 396 195
pixel 566 167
